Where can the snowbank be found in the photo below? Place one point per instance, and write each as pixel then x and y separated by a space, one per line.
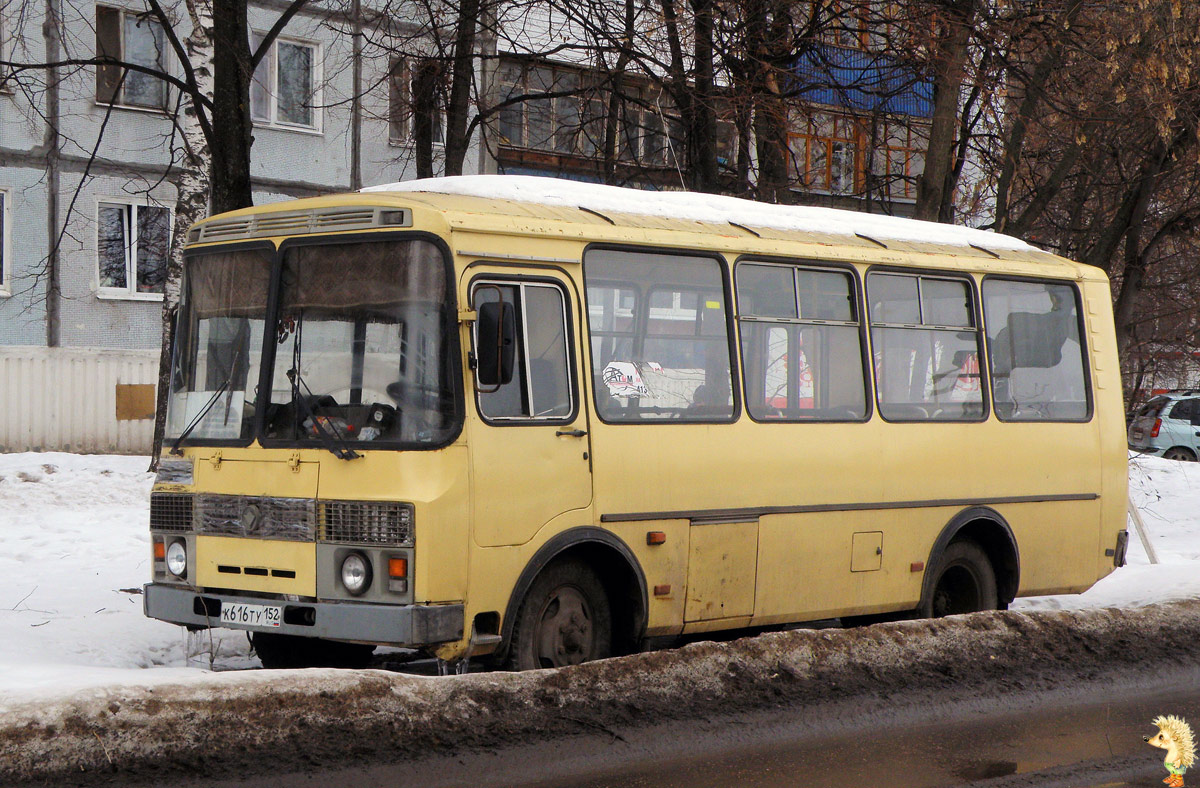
pixel 74 548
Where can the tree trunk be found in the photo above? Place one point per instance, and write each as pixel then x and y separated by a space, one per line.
pixel 702 169
pixel 934 191
pixel 231 118
pixel 461 80
pixel 191 200
pixel 425 84
pixel 767 35
pixel 616 80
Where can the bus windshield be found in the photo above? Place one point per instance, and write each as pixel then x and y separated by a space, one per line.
pixel 362 347
pixel 218 345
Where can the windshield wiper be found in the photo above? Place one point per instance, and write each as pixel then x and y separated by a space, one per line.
pixel 322 427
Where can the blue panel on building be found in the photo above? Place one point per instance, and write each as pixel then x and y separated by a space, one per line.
pixel 862 81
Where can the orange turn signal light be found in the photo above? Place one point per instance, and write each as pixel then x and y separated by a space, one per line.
pixel 397 567
pixel 663 590
pixel 160 551
pixel 655 537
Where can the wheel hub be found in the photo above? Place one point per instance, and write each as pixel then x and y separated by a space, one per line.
pixel 565 635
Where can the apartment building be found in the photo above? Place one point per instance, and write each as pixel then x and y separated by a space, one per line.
pixel 86 214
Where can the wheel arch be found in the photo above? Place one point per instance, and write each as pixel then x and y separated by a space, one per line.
pixel 987 528
pixel 617 568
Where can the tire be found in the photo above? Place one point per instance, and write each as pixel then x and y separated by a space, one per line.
pixel 1179 453
pixel 964 583
pixel 290 651
pixel 564 619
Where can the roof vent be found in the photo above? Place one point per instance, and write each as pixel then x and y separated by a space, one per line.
pixel 318 220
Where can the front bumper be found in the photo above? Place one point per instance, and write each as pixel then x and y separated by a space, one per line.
pixel 410 626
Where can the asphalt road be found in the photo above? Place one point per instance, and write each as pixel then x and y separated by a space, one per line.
pixel 1092 740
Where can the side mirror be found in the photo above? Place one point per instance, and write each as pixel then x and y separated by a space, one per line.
pixel 496 343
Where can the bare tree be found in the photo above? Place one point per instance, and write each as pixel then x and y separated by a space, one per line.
pixel 211 124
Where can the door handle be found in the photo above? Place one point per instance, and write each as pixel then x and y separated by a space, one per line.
pixel 571 433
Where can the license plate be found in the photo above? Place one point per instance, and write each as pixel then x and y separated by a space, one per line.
pixel 251 615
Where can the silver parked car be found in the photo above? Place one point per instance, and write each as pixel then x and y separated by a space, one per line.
pixel 1169 426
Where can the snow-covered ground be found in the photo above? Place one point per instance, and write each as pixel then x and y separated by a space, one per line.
pixel 75 548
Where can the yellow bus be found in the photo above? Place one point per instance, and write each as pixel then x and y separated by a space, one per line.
pixel 552 422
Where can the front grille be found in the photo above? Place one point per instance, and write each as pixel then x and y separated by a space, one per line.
pixel 367 522
pixel 170 512
pixel 289 519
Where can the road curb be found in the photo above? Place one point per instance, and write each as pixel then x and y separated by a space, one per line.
pixel 307 719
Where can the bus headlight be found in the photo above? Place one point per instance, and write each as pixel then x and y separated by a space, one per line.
pixel 356 573
pixel 177 559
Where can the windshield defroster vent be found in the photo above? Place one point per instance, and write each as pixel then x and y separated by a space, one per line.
pixel 317 220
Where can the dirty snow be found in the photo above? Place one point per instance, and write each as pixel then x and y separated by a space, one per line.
pixel 74 545
pixel 704 208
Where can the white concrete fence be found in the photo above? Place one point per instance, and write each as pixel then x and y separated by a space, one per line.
pixel 86 400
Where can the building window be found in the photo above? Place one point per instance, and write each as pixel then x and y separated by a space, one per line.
pixel 899 161
pixel 563 114
pixel 824 154
pixel 5 245
pixel 130 38
pixel 133 244
pixel 650 131
pixel 415 86
pixel 284 91
pixel 844 23
pixel 5 53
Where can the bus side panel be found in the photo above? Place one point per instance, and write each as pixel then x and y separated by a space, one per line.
pixel 665 567
pixel 437 483
pixel 1107 392
pixel 808 570
pixel 1055 540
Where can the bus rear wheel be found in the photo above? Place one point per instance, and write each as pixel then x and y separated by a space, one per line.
pixel 965 583
pixel 289 651
pixel 565 619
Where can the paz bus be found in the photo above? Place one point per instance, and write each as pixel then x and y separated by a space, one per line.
pixel 551 422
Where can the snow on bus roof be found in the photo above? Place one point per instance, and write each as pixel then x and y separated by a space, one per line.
pixel 694 206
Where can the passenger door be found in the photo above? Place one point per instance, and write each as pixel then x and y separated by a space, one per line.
pixel 530 447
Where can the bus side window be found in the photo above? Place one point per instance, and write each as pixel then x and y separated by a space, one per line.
pixel 541 383
pixel 659 336
pixel 926 347
pixel 801 343
pixel 1035 350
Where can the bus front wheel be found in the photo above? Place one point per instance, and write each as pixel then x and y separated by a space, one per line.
pixel 965 582
pixel 565 619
